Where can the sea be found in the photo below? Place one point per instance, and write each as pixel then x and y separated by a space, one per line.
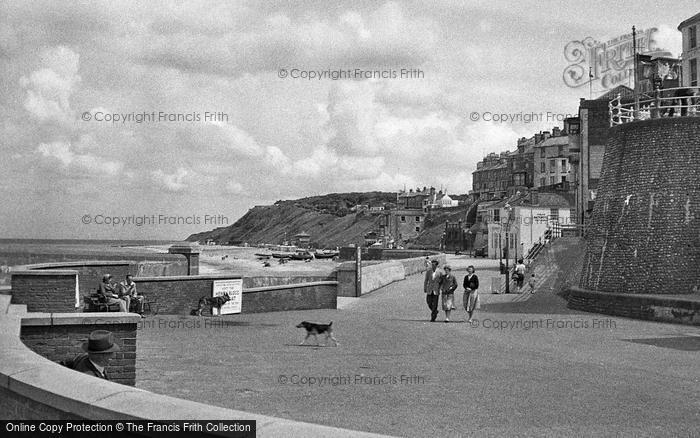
pixel 213 259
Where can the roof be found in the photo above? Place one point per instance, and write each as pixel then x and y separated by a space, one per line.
pixel 545 200
pixel 553 141
pixel 622 90
pixel 689 21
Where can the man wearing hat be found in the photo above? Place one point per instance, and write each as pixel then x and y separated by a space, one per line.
pixel 431 287
pixel 99 348
pixel 109 295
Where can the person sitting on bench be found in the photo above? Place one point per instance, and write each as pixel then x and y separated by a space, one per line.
pixel 108 295
pixel 128 289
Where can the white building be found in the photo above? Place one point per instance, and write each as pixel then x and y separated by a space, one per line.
pixel 533 217
pixel 447 202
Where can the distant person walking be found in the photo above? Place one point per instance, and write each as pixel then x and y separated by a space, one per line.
pixel 431 287
pixel 471 292
pixel 520 269
pixel 531 284
pixel 448 287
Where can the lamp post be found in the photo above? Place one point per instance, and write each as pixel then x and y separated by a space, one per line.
pixel 470 243
pixel 508 210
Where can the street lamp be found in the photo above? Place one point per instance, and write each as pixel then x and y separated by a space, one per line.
pixel 508 210
pixel 470 243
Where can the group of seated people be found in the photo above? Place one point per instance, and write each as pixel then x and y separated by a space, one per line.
pixel 124 294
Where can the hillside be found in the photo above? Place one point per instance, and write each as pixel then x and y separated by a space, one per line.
pixel 328 219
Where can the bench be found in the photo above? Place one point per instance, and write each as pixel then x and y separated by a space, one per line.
pixel 92 303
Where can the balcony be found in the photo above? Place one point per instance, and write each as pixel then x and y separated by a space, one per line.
pixel 669 102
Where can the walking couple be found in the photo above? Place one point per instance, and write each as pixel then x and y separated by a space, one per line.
pixel 438 281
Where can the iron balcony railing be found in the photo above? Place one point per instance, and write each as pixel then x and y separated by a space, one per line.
pixel 669 102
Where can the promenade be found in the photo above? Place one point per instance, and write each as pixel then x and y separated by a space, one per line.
pixel 527 366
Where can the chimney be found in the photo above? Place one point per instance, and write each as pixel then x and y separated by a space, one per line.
pixel 556 132
pixel 538 138
pixel 534 196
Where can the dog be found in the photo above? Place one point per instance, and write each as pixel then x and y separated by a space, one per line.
pixel 317 329
pixel 211 302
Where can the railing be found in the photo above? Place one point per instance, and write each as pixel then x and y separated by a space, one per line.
pixel 668 102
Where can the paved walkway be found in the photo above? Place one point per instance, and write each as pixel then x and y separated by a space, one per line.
pixel 530 368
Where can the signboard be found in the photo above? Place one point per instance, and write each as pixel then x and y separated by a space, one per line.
pixel 607 64
pixel 234 288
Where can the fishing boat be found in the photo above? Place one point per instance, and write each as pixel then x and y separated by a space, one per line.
pixel 283 251
pixel 303 254
pixel 326 253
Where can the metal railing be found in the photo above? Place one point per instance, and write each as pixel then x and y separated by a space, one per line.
pixel 668 102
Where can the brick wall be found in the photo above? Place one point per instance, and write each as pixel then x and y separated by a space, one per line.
pixel 44 292
pixel 645 230
pixel 320 295
pixel 58 338
pixel 180 295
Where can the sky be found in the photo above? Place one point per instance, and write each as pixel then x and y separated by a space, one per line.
pixel 155 120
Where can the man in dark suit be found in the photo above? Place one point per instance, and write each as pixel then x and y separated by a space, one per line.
pixel 108 294
pixel 99 348
pixel 431 287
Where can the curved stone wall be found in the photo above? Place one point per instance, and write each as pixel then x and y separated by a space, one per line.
pixel 645 232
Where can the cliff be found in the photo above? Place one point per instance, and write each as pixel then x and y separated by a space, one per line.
pixel 327 218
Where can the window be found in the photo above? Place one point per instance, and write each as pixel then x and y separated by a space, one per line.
pixel 543 182
pixel 563 165
pixel 417 218
pixel 554 214
pixel 552 165
pixel 417 229
pixel 403 218
pixel 563 179
pixel 497 215
pixel 572 216
pixel 552 180
pixel 692 37
pixel 542 169
pixel 542 153
pixel 694 72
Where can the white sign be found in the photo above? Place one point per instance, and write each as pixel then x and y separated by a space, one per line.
pixel 234 289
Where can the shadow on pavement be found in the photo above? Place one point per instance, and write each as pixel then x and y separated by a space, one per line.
pixel 683 343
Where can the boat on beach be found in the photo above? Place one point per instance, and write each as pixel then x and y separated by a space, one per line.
pixel 283 251
pixel 326 253
pixel 303 254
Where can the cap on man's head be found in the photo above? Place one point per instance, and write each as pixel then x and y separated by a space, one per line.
pixel 106 277
pixel 435 262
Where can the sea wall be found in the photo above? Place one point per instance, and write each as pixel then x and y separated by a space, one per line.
pixel 677 309
pixel 180 295
pixel 644 237
pixel 33 387
pixel 375 275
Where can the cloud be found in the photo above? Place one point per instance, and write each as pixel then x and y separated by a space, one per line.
pixel 174 182
pixel 48 90
pixel 77 164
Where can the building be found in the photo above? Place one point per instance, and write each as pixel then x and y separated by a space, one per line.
pixel 551 159
pixel 447 202
pixel 534 216
pixel 588 140
pixel 407 220
pixel 521 164
pixel 691 51
pixel 302 239
pixel 492 177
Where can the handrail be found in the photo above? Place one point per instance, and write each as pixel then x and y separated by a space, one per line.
pixel 667 102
